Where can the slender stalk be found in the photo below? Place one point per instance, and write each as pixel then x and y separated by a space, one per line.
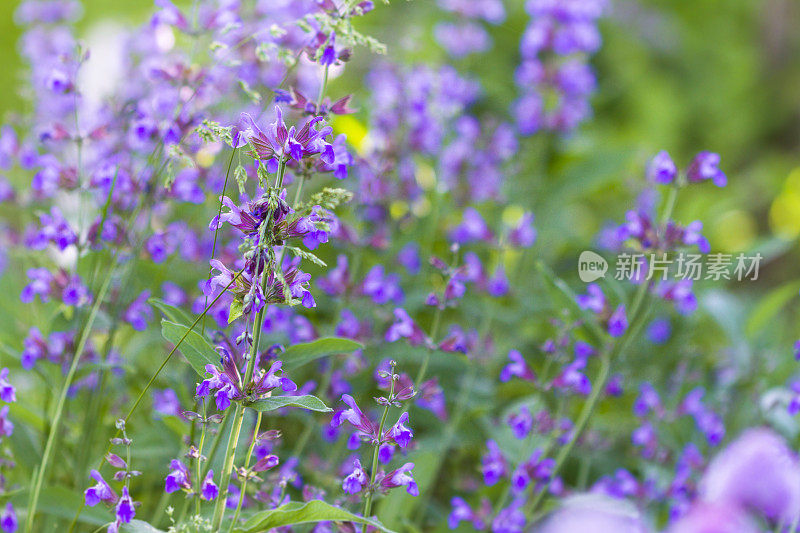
pixel 374 472
pixel 246 466
pixel 200 458
pixel 56 425
pixel 219 509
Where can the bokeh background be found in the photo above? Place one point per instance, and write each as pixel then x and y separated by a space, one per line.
pixel 677 75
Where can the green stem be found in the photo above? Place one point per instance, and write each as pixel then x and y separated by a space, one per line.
pixel 246 466
pixel 374 472
pixel 56 425
pixel 227 468
pixel 200 458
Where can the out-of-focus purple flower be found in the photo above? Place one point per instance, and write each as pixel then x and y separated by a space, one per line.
pixel 662 169
pixel 405 327
pixel 594 300
pixel 510 520
pixel 705 166
pixel 381 287
pixel 472 228
pixel 594 514
pixel 758 472
pixel 618 322
pixel 462 39
pixel 139 312
pixel 493 464
pixel 408 256
pixel 521 422
pixel 714 518
pixel 8 519
pixel 659 331
pixel 523 235
pixel 517 367
pixel 7 391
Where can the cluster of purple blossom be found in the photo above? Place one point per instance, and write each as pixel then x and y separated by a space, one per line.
pixel 554 77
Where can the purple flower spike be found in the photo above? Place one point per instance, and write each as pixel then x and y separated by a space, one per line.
pixel 705 166
pixel 126 509
pixel 401 434
pixel 7 391
pixel 493 464
pixel 178 477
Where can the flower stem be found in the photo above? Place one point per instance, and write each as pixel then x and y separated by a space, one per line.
pixel 230 453
pixel 200 457
pixel 246 466
pixel 374 472
pixel 56 425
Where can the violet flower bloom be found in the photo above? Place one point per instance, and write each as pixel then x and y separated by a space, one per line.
pixel 705 166
pixel 357 480
pixel 228 382
pixel 472 228
pixel 618 322
pixel 126 509
pixel 178 478
pixel 381 287
pixel 510 520
pixel 659 331
pixel 521 422
pixel 209 490
pixel 461 40
pixel 493 464
pixel 662 169
pixel 139 312
pixel 8 519
pixel 6 425
pixel 278 142
pixel 757 472
pixel 101 492
pixel 523 235
pixel 399 432
pixel 400 477
pixel 356 418
pixel 7 391
pixel 405 327
pixel 594 300
pixel 517 367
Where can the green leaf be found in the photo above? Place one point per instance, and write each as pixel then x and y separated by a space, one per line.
pixel 197 350
pixel 276 402
pixel 303 513
pixel 140 526
pixel 174 314
pixel 236 310
pixel 305 254
pixel 298 355
pixel 769 306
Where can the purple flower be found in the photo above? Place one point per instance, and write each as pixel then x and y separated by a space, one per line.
pixel 408 256
pixel 594 300
pixel 594 514
pixel 462 39
pixel 8 519
pixel 523 235
pixel 178 478
pixel 493 464
pixel 757 471
pixel 357 480
pixel 705 166
pixel 7 391
pixel 662 169
pixel 472 228
pixel 209 490
pixel 659 331
pixel 99 492
pixel 707 517
pixel 401 477
pixel 618 322
pixel 405 327
pixel 355 417
pixel 278 142
pixel 126 509
pixel 139 312
pixel 521 422
pixel 381 287
pixel 399 432
pixel 517 367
